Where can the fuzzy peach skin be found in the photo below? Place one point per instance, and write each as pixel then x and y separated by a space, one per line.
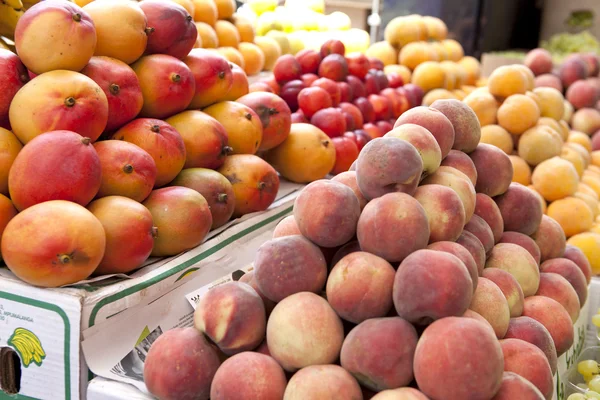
pixel 65 254
pixel 322 382
pixel 519 263
pixel 555 319
pixel 532 331
pixel 445 212
pixel 460 183
pixel 59 100
pixel 528 361
pixel 515 386
pixel 487 209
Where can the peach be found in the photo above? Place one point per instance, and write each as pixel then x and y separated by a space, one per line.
pixel 494 170
pixel 255 183
pixel 510 288
pixel 59 100
pixel 550 239
pixel 555 319
pixel 472 371
pixel 556 287
pixel 518 113
pixel 207 150
pixel 592 62
pixel 578 257
pixel 529 362
pixel 405 393
pixel 129 234
pixel 589 244
pixel 514 385
pixel 214 187
pixel 549 80
pixel 305 156
pixel 182 217
pixel 121 87
pixel 289 265
pixel 274 115
pixel 518 262
pixel 66 254
pixel 445 212
pixel 232 315
pixel 359 287
pixel 466 125
pixel 475 248
pixel 482 231
pixel 572 214
pixel 424 142
pixel 127 170
pixel 539 61
pixel 304 330
pixel 490 302
pixel 242 373
pixel 432 270
pixel 58 165
pixel 572 69
pixel 35 35
pixel 213 76
pixel 582 94
pixel 132 37
pixel 322 382
pixel 486 208
pixel 520 209
pixel 571 272
pixel 189 374
pixel 348 178
pixel 14 75
pixel 286 227
pixel 586 120
pixel 250 279
pixel 462 254
pixel 168 85
pixel 460 183
pixel 524 241
pixel 243 126
pixel 171 29
pixel 532 331
pixel 435 122
pixel 161 141
pixel 379 353
pixel 462 162
pixel 410 230
pixel 387 165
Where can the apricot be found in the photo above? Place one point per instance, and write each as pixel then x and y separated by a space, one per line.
pixel 589 244
pixel 383 51
pixel 433 270
pixel 555 179
pixel 159 139
pixel 521 170
pixel 213 76
pixel 403 234
pixel 182 217
pixel 75 245
pixel 232 55
pixel 428 76
pixel 416 53
pixel 214 187
pixel 454 49
pixel 255 183
pixel 379 353
pixel 518 113
pixel 123 41
pixel 254 59
pixel 556 287
pixel 304 330
pixel 580 138
pixel 271 51
pixel 555 319
pixel 510 288
pixel 485 106
pixel 322 381
pixel 539 144
pixel 507 80
pixel 232 315
pixel 207 35
pixel 437 94
pixel 473 370
pixel 579 258
pixel 188 375
pixel 573 215
pixel 517 261
pixel 462 162
pixel 240 374
pixel 529 362
pixel 571 155
pixel 205 11
pixel 327 213
pixel 305 156
pixel 243 126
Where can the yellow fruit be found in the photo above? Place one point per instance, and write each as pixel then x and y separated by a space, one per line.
pixel 518 113
pixel 401 70
pixel 589 244
pixel 555 179
pixel 429 75
pixel 484 105
pixel 416 53
pixel 497 136
pixel 506 81
pixel 521 170
pixel 551 102
pixel 574 158
pixel 580 138
pixel 384 52
pixel 438 94
pixel 572 214
pixel 454 49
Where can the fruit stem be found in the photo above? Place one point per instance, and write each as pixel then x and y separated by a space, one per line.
pixel 248 117
pixel 222 198
pixel 128 168
pixel 325 143
pixel 273 111
pixel 86 140
pixel 24 78
pixel 227 150
pixel 155 128
pixel 70 101
pixel 64 258
pixel 221 74
pixel 176 77
pixel 114 89
pixel 188 18
pixel 261 185
pixel 149 30
pixel 154 232
pixel 77 17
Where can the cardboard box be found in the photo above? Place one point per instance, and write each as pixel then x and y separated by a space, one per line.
pixel 57 317
pixel 490 61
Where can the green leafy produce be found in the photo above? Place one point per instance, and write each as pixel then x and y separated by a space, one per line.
pixel 563 44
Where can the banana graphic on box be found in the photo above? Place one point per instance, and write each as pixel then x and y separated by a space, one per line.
pixel 29 347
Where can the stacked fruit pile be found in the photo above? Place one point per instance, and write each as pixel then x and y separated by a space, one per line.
pixel 126 141
pixel 347 97
pixel 555 159
pixel 424 262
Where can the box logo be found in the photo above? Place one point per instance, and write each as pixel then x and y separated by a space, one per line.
pixel 29 347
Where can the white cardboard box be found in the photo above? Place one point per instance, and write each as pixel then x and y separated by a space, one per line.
pixel 58 316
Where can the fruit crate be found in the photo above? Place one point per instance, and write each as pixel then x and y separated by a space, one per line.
pixel 572 378
pixel 58 317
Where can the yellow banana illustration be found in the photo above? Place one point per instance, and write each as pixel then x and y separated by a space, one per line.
pixel 28 345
